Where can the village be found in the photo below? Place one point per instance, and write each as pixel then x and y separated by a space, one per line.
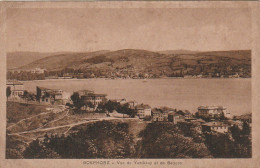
pixel 207 118
pixel 43 74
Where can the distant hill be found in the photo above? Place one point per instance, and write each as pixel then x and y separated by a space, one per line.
pixel 19 59
pixel 178 52
pixel 129 62
pixel 60 61
pixel 239 54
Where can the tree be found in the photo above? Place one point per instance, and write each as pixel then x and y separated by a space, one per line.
pixel 236 133
pixel 8 92
pixel 39 151
pixel 246 128
pixel 175 145
pixel 111 106
pixel 77 102
pixel 112 141
pixel 25 95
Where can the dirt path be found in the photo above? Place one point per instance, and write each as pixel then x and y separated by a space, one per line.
pixel 31 118
pixel 66 114
pixel 68 125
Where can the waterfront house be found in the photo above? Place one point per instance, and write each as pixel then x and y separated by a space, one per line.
pixel 215 127
pixel 49 96
pixel 160 114
pixel 85 92
pixel 120 101
pixel 143 110
pixel 93 98
pixel 187 114
pixel 132 104
pixel 213 111
pixel 175 117
pixel 16 88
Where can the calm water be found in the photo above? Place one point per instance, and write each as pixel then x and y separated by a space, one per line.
pixel 183 94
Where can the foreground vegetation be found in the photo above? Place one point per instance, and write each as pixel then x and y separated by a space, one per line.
pixel 107 139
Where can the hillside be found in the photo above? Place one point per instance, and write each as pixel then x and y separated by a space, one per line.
pixel 238 54
pixel 60 61
pixel 26 58
pixel 142 63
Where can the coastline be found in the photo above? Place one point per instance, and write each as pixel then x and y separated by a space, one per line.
pixel 163 78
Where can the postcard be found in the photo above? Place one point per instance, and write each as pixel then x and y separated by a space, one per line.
pixel 129 84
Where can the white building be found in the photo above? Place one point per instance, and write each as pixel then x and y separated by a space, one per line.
pixel 215 126
pixel 213 111
pixel 143 110
pixel 16 87
pixel 38 70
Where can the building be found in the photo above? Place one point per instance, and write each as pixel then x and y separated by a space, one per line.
pixel 37 71
pixel 213 111
pixel 187 114
pixel 244 118
pixel 120 101
pixel 143 110
pixel 215 126
pixel 93 98
pixel 84 92
pixel 16 88
pixel 66 98
pixel 159 114
pixel 49 96
pixel 175 118
pixel 132 104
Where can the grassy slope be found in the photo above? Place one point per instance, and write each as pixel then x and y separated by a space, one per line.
pixel 18 111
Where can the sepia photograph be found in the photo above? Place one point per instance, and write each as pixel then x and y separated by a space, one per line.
pixel 128 83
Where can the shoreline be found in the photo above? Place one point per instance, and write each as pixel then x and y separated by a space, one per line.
pixel 144 79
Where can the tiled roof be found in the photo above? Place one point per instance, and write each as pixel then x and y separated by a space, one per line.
pixel 143 106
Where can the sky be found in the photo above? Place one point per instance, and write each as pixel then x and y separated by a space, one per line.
pixel 92 29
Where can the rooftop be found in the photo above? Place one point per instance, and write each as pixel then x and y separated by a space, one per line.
pixel 85 91
pixel 143 106
pixel 211 107
pixel 94 95
pixel 50 91
pixel 159 110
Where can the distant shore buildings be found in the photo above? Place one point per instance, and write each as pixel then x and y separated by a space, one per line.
pixel 37 70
